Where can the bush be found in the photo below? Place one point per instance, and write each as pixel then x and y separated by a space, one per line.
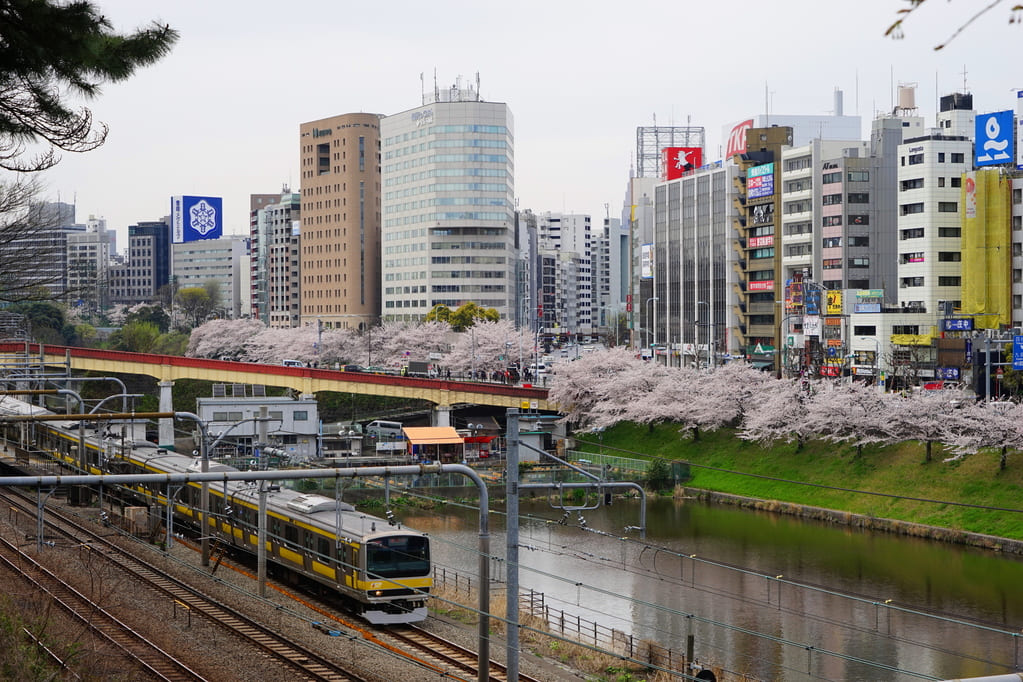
pixel 658 475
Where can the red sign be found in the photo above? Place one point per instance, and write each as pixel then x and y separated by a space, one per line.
pixel 737 139
pixel 764 285
pixel 758 242
pixel 676 161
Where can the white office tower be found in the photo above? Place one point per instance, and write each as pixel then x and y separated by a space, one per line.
pixel 929 224
pixel 447 205
pixel 566 244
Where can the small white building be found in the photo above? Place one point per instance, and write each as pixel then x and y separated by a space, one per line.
pixel 231 416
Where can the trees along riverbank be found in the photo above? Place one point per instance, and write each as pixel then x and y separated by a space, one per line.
pixel 876 481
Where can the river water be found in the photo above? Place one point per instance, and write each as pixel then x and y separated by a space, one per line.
pixel 767 595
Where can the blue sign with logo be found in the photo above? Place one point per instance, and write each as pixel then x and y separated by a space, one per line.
pixel 958 324
pixel 994 137
pixel 195 218
pixel 1017 352
pixel 948 373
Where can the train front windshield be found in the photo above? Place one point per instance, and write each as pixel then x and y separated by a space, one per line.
pixel 398 556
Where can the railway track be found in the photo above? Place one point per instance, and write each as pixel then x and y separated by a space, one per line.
pixel 446 658
pixel 305 662
pixel 446 655
pixel 134 646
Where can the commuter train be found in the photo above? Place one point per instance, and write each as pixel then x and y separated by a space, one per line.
pixel 383 569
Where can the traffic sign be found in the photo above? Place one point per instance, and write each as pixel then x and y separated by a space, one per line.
pixel 1017 352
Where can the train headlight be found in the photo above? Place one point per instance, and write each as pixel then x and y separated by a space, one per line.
pixel 377 593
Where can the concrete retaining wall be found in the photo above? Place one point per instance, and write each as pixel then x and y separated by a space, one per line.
pixel 861 521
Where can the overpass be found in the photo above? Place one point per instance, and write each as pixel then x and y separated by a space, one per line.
pixel 443 393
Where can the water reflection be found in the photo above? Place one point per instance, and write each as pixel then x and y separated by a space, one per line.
pixel 683 579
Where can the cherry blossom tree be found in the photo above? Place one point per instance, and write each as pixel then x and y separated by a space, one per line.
pixel 487 347
pixel 586 382
pixel 980 424
pixel 223 339
pixel 395 342
pixel 726 392
pixel 272 345
pixel 925 415
pixel 779 412
pixel 641 392
pixel 848 412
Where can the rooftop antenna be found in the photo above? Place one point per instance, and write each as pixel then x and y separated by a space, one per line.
pixel 436 89
pixel 478 98
pixel 965 89
pixel 422 88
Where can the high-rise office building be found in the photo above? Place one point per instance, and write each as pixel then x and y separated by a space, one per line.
pixel 448 215
pixel 274 259
pixel 147 268
pixel 88 262
pixel 340 223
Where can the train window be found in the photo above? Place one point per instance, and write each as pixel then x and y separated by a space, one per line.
pixel 399 555
pixel 275 528
pixel 291 535
pixel 323 547
pixel 307 539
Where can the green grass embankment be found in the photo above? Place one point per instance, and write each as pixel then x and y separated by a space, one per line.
pixel 719 461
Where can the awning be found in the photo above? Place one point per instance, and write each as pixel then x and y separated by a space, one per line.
pixel 432 435
pixel 762 364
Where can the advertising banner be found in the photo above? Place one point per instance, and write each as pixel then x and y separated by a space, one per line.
pixel 677 161
pixel 646 261
pixel 760 181
pixel 196 218
pixel 994 138
pixel 834 302
pixel 970 188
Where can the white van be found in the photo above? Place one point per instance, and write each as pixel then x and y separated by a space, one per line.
pixel 292 363
pixel 384 429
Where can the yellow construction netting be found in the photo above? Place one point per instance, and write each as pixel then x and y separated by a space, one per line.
pixel 986 211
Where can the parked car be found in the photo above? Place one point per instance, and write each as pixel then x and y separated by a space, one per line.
pixel 353 368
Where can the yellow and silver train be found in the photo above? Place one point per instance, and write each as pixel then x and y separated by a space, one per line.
pixel 382 568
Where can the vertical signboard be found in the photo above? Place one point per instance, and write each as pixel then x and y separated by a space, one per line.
pixel 994 138
pixel 677 161
pixel 1019 129
pixel 970 192
pixel 195 218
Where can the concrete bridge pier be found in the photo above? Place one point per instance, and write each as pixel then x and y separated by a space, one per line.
pixel 166 429
pixel 441 416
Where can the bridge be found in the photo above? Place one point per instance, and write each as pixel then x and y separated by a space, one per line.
pixel 443 393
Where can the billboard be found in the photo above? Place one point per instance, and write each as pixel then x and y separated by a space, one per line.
pixel 646 261
pixel 195 218
pixel 994 138
pixel 834 305
pixel 737 139
pixel 675 161
pixel 760 181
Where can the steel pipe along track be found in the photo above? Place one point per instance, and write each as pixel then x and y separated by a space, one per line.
pixel 302 660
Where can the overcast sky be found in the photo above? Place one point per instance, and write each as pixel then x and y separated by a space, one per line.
pixel 220 115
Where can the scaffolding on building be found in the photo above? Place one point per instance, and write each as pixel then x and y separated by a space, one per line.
pixel 650 140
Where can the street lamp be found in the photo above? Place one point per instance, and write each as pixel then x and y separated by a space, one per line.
pixel 650 325
pixel 696 346
pixel 877 358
